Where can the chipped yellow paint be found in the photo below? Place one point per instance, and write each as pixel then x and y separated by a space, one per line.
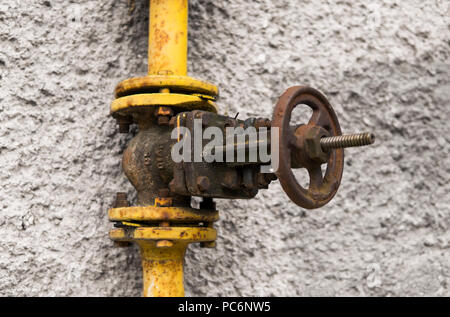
pixel 163 201
pixel 132 224
pixel 162 251
pixel 155 82
pixel 186 234
pixel 168 36
pixel 167 83
pixel 156 214
pixel 162 269
pixel 181 101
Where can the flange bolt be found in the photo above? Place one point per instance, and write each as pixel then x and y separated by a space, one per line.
pixel 124 123
pixel 121 200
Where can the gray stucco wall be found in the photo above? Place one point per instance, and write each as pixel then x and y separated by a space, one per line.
pixel 383 64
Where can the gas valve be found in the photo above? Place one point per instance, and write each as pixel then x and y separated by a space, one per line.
pixel 303 145
pixel 184 148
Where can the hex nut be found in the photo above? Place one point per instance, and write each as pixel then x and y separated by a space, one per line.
pixel 164 244
pixel 231 180
pixel 163 120
pixel 312 144
pixel 124 123
pixel 164 192
pixel 121 200
pixel 163 115
pixel 203 183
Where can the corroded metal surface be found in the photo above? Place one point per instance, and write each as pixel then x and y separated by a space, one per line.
pixel 231 180
pixel 147 164
pixel 293 143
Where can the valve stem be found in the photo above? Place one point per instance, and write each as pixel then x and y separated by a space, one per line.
pixel 349 140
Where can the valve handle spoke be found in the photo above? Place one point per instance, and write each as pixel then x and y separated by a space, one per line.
pixel 319 117
pixel 315 177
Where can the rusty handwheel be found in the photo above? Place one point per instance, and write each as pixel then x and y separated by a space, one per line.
pixel 300 147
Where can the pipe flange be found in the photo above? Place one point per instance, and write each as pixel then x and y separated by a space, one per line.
pixel 157 214
pixel 178 102
pixel 181 234
pixel 177 84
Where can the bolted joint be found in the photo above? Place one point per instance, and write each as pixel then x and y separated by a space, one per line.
pixel 121 200
pixel 163 199
pixel 164 243
pixel 163 115
pixel 124 123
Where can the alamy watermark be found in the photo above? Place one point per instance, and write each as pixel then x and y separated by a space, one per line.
pixel 238 145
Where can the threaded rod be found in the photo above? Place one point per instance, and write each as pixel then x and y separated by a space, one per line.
pixel 349 140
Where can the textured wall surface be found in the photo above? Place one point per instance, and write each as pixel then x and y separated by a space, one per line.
pixel 383 64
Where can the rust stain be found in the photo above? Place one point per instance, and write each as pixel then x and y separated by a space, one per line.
pixel 179 35
pixel 161 38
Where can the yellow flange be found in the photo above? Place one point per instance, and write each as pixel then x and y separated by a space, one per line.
pixel 167 67
pixel 156 214
pixel 178 101
pixel 174 83
pixel 187 234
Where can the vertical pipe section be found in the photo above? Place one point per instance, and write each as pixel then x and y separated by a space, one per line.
pixel 168 30
pixel 167 55
pixel 162 269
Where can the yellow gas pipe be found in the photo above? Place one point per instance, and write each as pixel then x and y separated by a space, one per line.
pixel 163 246
pixel 167 45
